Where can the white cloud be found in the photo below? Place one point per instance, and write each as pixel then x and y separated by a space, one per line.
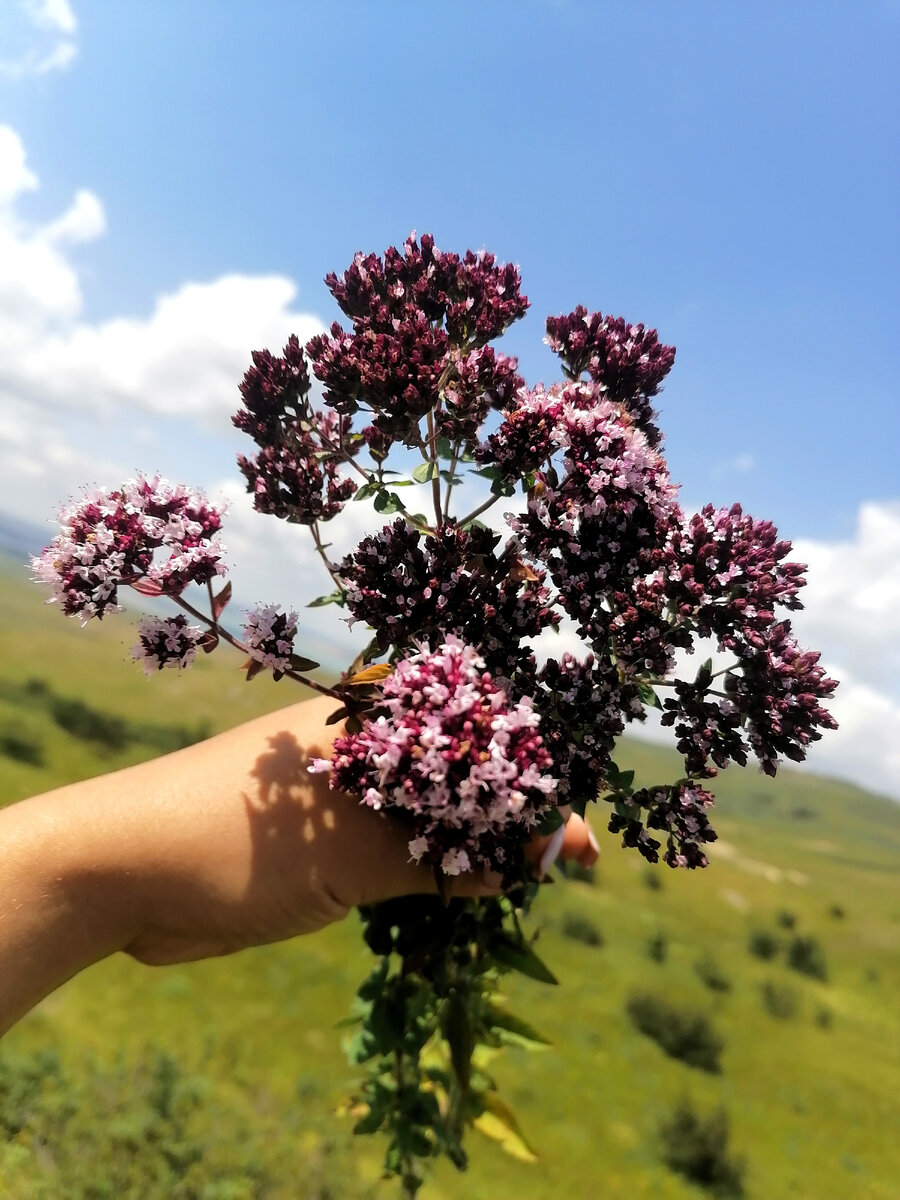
pixel 37 38
pixel 183 359
pixel 852 598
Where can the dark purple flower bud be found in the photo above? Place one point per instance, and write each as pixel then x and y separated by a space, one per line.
pixel 295 475
pixel 627 361
pixel 706 728
pixel 582 707
pixel 453 581
pixel 728 574
pixel 779 691
pixel 678 812
pixel 526 440
pixel 479 382
pixel 607 522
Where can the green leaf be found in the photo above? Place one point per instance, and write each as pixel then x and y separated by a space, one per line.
pixel 364 492
pixel 370 1123
pixel 361 1047
pixel 299 663
pixel 456 1026
pixel 332 598
pixel 444 448
pixel 519 956
pixel 388 502
pixel 550 821
pixel 648 696
pixel 509 1023
pixel 491 473
pixel 424 472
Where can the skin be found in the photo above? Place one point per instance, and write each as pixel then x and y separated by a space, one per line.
pixel 227 844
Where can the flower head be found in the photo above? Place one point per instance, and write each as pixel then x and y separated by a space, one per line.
pixel 166 642
pixel 109 538
pixel 269 637
pixel 464 765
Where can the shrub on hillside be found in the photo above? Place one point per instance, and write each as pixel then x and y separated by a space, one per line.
pixel 89 724
pixel 697 1147
pixel 805 954
pixel 652 879
pixel 658 947
pixel 681 1033
pixel 763 944
pixel 581 929
pixel 20 746
pixel 712 974
pixel 786 919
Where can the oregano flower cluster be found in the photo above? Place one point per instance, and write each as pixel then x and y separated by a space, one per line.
pixel 460 720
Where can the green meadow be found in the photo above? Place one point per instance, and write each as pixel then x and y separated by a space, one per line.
pixel 223 1080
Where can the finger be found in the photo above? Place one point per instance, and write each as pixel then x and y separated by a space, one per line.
pixel 573 842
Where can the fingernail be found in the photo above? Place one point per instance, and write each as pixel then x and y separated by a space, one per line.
pixel 552 849
pixel 592 841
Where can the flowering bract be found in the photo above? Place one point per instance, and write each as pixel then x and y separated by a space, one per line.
pixel 452 754
pixel 460 733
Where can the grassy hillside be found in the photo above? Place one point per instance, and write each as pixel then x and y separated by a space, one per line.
pixel 219 1080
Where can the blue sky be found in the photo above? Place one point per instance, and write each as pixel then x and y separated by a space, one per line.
pixel 726 173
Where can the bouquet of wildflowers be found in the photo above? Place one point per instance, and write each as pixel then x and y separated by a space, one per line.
pixel 453 725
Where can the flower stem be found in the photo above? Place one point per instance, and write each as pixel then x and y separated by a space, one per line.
pixel 233 641
pixel 338 582
pixel 435 479
pixel 476 512
pixel 451 473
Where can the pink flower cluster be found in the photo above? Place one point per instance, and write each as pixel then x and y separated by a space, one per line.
pixel 453 755
pixel 526 439
pixel 729 572
pixel 605 523
pixel 109 539
pixel 295 474
pixel 166 642
pixel 269 636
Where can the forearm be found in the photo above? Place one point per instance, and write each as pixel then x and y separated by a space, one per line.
pixel 63 905
pixel 173 859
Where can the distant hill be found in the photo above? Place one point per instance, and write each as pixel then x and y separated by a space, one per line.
pixel 20 538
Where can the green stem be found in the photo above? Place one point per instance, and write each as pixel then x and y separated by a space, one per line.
pixel 233 641
pixel 450 474
pixel 476 512
pixel 435 479
pixel 338 582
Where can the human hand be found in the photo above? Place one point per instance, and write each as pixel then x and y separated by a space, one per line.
pixel 264 850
